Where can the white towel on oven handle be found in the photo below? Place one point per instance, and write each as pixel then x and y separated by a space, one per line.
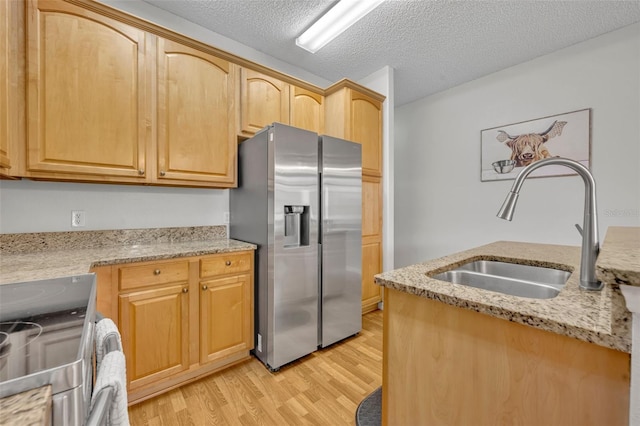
pixel 112 374
pixel 105 329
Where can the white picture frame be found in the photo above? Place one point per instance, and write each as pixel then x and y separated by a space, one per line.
pixel 507 149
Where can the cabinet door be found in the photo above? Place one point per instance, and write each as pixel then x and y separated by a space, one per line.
pixel 85 93
pixel 263 100
pixel 371 241
pixel 366 128
pixel 226 317
pixel 371 265
pixel 196 127
pixel 155 333
pixel 12 101
pixel 5 60
pixel 307 110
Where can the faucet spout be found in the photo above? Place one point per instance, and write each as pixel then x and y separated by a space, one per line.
pixel 590 239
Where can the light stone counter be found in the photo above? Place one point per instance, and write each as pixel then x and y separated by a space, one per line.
pixel 29 408
pixel 619 259
pixel 28 257
pixel 598 317
pixel 61 263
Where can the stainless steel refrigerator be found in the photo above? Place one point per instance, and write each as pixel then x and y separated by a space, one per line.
pixel 299 199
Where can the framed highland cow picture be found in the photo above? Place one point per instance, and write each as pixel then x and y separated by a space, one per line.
pixel 506 150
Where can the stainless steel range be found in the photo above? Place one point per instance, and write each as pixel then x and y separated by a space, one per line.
pixel 46 338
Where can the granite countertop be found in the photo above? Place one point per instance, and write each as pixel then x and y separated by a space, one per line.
pixel 21 267
pixel 29 408
pixel 619 258
pixel 598 317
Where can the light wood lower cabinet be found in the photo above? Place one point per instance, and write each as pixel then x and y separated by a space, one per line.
pixel 445 365
pixel 180 319
pixel 155 330
pixel 224 317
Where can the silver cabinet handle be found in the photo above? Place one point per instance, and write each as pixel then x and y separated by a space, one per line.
pixel 228 263
pixel 141 172
pixel 157 272
pixel 204 287
pixel 162 173
pixel 185 290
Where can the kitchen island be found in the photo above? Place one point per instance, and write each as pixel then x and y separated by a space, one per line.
pixel 451 358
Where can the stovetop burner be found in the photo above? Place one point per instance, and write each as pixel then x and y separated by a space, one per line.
pixel 44 325
pixel 31 329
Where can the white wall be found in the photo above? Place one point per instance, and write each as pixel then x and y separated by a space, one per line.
pixel 440 204
pixel 381 81
pixel 29 206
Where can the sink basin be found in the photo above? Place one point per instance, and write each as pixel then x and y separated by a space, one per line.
pixel 509 278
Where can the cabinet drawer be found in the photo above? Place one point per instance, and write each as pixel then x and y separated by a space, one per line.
pixel 228 263
pixel 152 274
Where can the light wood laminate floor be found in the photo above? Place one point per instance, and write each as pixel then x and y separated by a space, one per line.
pixel 323 388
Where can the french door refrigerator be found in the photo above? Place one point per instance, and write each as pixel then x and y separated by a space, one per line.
pixel 299 200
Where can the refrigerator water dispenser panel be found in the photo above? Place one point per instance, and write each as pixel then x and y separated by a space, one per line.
pixel 296 226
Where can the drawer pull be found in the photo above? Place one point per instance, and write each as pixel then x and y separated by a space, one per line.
pixel 141 172
pixel 156 272
pixel 185 290
pixel 204 287
pixel 162 173
pixel 228 263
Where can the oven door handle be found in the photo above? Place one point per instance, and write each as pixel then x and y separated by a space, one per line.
pixel 101 406
pixel 103 400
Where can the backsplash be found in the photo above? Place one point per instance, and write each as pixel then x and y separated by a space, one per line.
pixel 42 241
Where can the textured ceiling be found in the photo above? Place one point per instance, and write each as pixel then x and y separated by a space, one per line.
pixel 432 45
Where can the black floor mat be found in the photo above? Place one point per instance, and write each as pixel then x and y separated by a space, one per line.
pixel 369 412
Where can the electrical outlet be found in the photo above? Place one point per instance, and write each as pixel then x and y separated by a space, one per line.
pixel 226 217
pixel 77 218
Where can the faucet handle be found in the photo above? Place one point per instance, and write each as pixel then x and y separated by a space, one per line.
pixel 579 228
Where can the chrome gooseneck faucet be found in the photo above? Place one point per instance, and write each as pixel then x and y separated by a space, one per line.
pixel 589 231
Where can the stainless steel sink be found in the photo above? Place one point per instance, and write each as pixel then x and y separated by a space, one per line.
pixel 509 278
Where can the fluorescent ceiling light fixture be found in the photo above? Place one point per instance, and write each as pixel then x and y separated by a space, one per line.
pixel 340 17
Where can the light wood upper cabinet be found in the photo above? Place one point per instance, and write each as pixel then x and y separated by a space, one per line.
pixel 263 100
pixel 12 89
pixel 196 120
pixel 5 60
pixel 356 116
pixel 366 128
pixel 307 110
pixel 86 88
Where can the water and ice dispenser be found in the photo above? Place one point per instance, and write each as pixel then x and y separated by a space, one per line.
pixel 296 226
